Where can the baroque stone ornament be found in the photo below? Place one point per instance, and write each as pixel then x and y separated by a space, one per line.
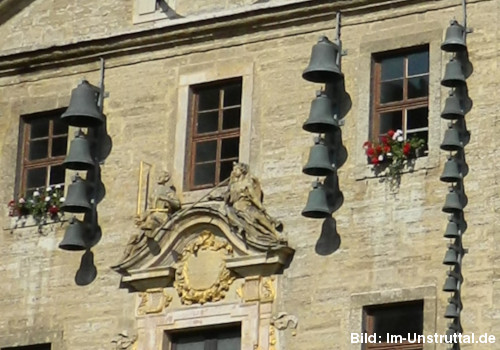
pixel 153 301
pixel 246 212
pixel 283 321
pixel 123 342
pixel 201 275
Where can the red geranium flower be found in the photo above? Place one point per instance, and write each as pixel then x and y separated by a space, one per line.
pixel 367 145
pixel 384 140
pixel 387 148
pixel 53 210
pixel 375 160
pixel 406 148
pixel 378 149
pixel 390 133
pixel 370 152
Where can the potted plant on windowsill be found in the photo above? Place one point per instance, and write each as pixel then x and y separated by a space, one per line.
pixel 42 207
pixel 392 154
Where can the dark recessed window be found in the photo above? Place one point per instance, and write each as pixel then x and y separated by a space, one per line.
pixel 396 326
pixel 30 347
pixel 401 93
pixel 208 339
pixel 214 136
pixel 44 140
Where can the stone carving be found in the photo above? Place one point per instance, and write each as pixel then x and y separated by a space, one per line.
pixel 272 338
pixel 267 291
pixel 163 203
pixel 283 321
pixel 246 213
pixel 122 341
pixel 201 275
pixel 153 301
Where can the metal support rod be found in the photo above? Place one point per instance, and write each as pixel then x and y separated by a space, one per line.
pixel 100 102
pixel 338 41
pixel 464 8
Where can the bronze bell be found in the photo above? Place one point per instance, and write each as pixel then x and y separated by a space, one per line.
pixel 323 66
pixel 451 283
pixel 452 311
pixel 321 118
pixel 317 205
pixel 452 230
pixel 451 256
pixel 452 108
pixel 77 198
pixel 451 140
pixel 75 237
pixel 79 157
pixel 451 172
pixel 455 38
pixel 453 75
pixel 319 163
pixel 83 110
pixel 452 203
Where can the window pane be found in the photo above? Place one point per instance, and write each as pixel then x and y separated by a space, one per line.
pixel 56 175
pixel 59 146
pixel 207 122
pixel 229 344
pixel 392 68
pixel 417 118
pixel 232 95
pixel 418 63
pixel 39 127
pixel 391 91
pixel 225 169
pixel 208 99
pixel 418 86
pixel 36 177
pixel 60 128
pixel 190 342
pixel 399 320
pixel 204 174
pixel 206 151
pixel 231 118
pixel 391 121
pixel 230 148
pixel 38 149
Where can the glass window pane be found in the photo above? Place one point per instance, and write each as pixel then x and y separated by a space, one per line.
pixel 229 344
pixel 207 122
pixel 392 68
pixel 399 320
pixel 225 169
pixel 38 149
pixel 231 118
pixel 60 128
pixel 230 148
pixel 417 118
pixel 39 128
pixel 204 174
pixel 391 91
pixel 232 95
pixel 391 121
pixel 418 86
pixel 36 177
pixel 59 146
pixel 206 151
pixel 190 342
pixel 57 175
pixel 418 63
pixel 208 99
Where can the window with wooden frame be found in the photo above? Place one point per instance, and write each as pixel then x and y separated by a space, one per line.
pixel 43 140
pixel 208 339
pixel 214 136
pixel 396 326
pixel 401 93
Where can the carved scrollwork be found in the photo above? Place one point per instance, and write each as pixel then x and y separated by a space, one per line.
pixel 153 301
pixel 201 275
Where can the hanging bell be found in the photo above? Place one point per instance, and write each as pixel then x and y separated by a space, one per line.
pixel 453 75
pixel 455 38
pixel 323 66
pixel 317 205
pixel 451 172
pixel 452 203
pixel 452 108
pixel 452 230
pixel 79 157
pixel 321 118
pixel 319 163
pixel 451 141
pixel 77 199
pixel 75 237
pixel 451 282
pixel 83 110
pixel 451 256
pixel 452 311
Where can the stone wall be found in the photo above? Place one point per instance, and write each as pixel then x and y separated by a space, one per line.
pixel 391 243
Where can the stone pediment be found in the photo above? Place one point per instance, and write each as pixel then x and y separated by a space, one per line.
pixel 187 233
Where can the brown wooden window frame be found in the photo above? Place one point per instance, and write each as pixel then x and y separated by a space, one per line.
pixel 25 164
pixel 369 315
pixel 210 335
pixel 221 134
pixel 403 105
